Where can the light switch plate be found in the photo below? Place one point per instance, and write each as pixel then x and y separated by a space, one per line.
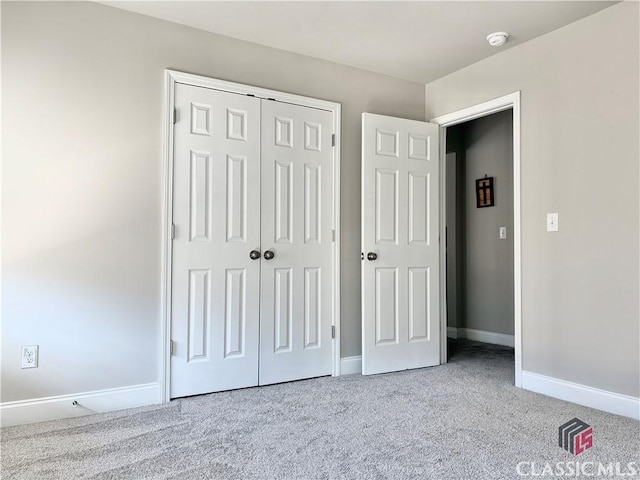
pixel 552 222
pixel 503 233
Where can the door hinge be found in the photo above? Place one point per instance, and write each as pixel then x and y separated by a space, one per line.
pixel 170 347
pixel 333 139
pixel 333 235
pixel 173 231
pixel 333 331
pixel 175 115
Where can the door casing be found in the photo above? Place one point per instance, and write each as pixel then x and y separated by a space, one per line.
pixel 506 102
pixel 171 78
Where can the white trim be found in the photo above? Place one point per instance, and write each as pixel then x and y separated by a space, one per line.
pixel 444 313
pixel 517 242
pixel 61 406
pixel 242 89
pixel 476 111
pixel 351 365
pixel 452 332
pixel 171 78
pixel 505 102
pixel 167 244
pixel 481 336
pixel 337 126
pixel 362 239
pixel 582 395
pixel 487 337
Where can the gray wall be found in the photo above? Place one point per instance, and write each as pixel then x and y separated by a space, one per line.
pixel 455 175
pixel 580 150
pixel 82 91
pixel 485 283
pixel 453 287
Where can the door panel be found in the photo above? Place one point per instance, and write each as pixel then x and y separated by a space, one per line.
pixel 386 213
pixel 297 206
pixel 312 310
pixel 386 308
pixel 419 217
pixel 281 319
pixel 235 313
pixel 283 214
pixel 236 199
pixel 216 205
pixel 400 327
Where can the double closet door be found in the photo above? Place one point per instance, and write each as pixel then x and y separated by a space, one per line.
pixel 252 248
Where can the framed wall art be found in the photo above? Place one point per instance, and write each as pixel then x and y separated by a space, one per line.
pixel 485 196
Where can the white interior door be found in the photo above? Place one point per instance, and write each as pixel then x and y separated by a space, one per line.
pixel 297 216
pixel 400 266
pixel 216 212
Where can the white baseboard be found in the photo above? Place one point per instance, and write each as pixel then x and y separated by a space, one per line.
pixel 349 365
pixel 484 336
pixel 582 395
pixel 452 332
pixel 52 408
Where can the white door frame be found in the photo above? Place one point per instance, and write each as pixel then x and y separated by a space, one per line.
pixel 171 78
pixel 510 101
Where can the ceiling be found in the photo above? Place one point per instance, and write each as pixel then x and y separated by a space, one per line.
pixel 419 41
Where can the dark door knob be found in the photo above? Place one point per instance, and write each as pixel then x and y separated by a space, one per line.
pixel 371 256
pixel 268 255
pixel 254 254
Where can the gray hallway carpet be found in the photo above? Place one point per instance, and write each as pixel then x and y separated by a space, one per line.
pixel 464 420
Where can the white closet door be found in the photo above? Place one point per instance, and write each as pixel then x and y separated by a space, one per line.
pixel 297 206
pixel 400 268
pixel 216 211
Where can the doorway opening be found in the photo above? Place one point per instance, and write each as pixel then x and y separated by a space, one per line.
pixel 480 228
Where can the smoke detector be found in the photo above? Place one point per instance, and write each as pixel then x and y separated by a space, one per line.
pixel 497 39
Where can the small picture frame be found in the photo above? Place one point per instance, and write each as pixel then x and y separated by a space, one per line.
pixel 484 192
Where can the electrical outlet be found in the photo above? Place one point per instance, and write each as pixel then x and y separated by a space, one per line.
pixel 29 356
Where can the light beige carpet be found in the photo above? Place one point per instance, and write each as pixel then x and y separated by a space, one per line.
pixel 464 420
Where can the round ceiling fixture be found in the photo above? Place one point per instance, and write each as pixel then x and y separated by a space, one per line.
pixel 497 39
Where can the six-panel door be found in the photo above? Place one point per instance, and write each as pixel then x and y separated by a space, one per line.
pixel 297 215
pixel 216 213
pixel 400 279
pixel 252 254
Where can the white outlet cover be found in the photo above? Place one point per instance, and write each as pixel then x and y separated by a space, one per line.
pixel 552 222
pixel 29 356
pixel 502 233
